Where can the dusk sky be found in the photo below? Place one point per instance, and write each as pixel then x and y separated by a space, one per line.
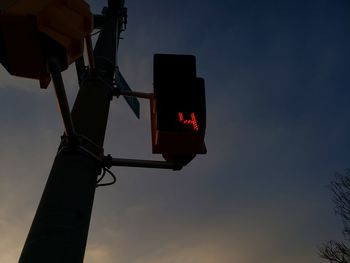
pixel 278 99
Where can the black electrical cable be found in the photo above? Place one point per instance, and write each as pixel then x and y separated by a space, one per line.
pixel 103 175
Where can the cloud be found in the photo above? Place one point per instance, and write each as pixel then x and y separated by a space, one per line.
pixel 99 254
pixel 144 234
pixel 14 225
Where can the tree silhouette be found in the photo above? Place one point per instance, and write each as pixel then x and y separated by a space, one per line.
pixel 339 251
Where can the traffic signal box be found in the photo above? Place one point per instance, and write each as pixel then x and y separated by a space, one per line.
pixel 178 112
pixel 33 30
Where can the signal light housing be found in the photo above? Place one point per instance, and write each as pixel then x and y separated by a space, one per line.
pixel 178 111
pixel 33 30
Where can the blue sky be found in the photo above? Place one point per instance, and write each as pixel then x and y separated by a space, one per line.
pixel 277 129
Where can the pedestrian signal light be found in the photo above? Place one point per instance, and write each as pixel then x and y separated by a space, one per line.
pixel 33 30
pixel 178 112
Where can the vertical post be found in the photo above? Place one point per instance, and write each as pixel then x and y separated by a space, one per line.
pixel 60 227
pixel 90 53
pixel 55 71
pixel 80 69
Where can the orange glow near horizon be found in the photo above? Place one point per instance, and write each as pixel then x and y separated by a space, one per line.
pixel 192 121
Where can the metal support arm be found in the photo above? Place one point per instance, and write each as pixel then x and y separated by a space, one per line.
pixel 109 161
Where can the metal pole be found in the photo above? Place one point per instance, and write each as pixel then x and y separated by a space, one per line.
pixel 90 53
pixel 60 227
pixel 80 69
pixel 55 71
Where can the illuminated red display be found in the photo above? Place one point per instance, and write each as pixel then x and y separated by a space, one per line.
pixel 189 123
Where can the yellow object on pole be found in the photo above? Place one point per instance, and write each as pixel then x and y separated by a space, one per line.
pixel 31 31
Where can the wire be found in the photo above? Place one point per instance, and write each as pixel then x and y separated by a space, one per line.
pixel 114 179
pixel 102 176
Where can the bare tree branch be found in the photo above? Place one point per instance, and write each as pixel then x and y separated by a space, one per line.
pixel 334 251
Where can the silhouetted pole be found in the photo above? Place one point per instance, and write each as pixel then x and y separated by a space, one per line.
pixel 60 227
